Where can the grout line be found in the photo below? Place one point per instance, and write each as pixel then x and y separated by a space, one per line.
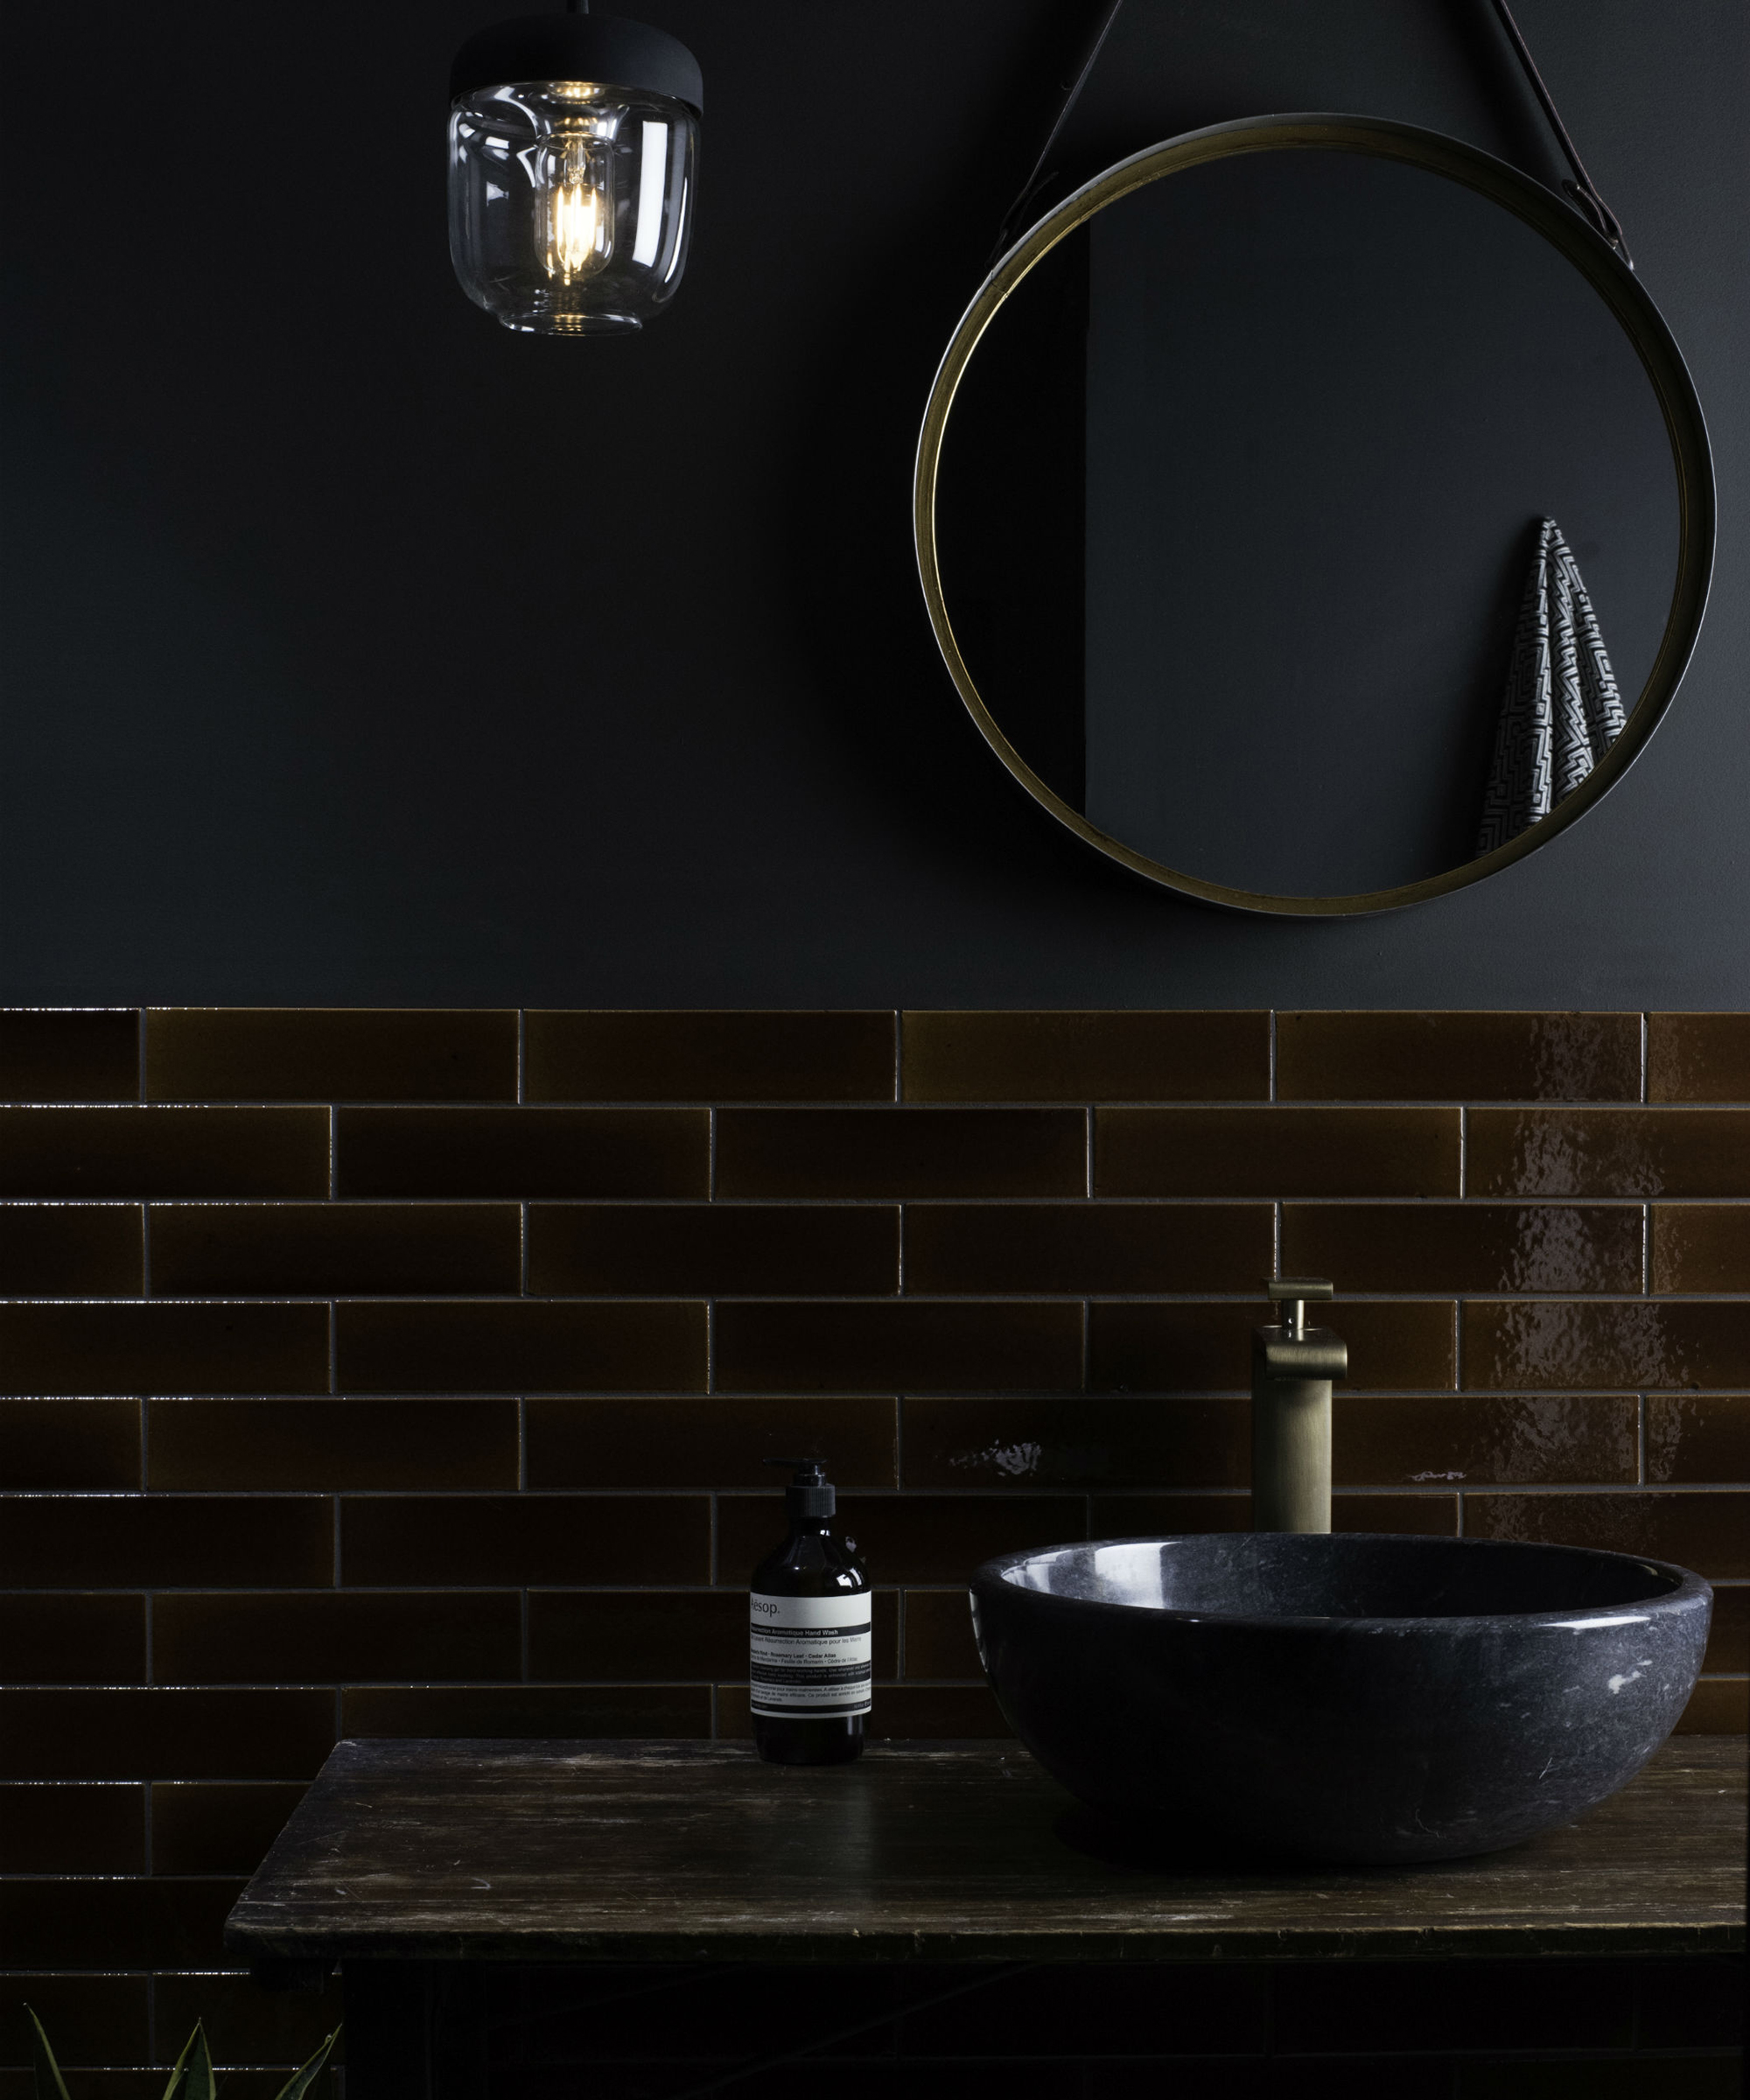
pixel 145 1251
pixel 333 1151
pixel 900 1286
pixel 710 1345
pixel 522 1444
pixel 1646 1250
pixel 711 1155
pixel 1641 1439
pixel 899 1053
pixel 1088 1189
pixel 1645 1037
pixel 1464 1147
pixel 1270 1096
pixel 1276 1237
pixel 145 1429
pixel 522 1061
pixel 140 1050
pixel 333 1346
pixel 522 1227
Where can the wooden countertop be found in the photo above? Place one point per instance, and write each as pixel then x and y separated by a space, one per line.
pixel 457 1851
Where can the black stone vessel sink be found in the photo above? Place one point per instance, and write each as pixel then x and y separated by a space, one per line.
pixel 1343 1696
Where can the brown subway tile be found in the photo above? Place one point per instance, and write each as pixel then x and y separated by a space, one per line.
pixel 709 1056
pixel 70 1250
pixel 91 1830
pixel 1073 1248
pixel 1169 1515
pixel 1701 1247
pixel 120 1924
pixel 712 1443
pixel 906 1713
pixel 320 1636
pixel 939 1640
pixel 803 1152
pixel 1728 1641
pixel 1111 1056
pixel 552 1539
pixel 339 1054
pixel 543 1346
pixel 163 1348
pixel 213 1829
pixel 925 1538
pixel 1076 1443
pixel 130 1734
pixel 1566 1343
pixel 1698 1057
pixel 1205 1348
pixel 661 1635
pixel 163 1152
pixel 89 2019
pixel 246 2024
pixel 1695 1438
pixel 1276 1152
pixel 69 1444
pixel 886 1347
pixel 1535 1439
pixel 1458 1056
pixel 520 1152
pixel 713 1249
pixel 327 1249
pixel 1718 1706
pixel 1464 1246
pixel 49 1638
pixel 66 1541
pixel 330 1444
pixel 1608 1152
pixel 1710 1533
pixel 533 1712
pixel 76 1054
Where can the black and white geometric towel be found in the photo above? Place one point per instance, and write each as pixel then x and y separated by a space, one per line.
pixel 1562 712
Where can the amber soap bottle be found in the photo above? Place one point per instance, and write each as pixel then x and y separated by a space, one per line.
pixel 810 1634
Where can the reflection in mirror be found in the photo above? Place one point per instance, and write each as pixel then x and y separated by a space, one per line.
pixel 1245 498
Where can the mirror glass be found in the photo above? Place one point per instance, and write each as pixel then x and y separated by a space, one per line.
pixel 1239 497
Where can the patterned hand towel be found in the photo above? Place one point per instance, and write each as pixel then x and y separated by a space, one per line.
pixel 1562 711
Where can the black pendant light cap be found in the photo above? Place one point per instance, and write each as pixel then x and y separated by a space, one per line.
pixel 579 47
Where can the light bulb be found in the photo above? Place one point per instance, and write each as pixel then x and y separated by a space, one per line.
pixel 574 208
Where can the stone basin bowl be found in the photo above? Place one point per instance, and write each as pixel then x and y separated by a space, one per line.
pixel 1339 1698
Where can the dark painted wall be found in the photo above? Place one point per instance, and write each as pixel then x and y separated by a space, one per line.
pixel 361 651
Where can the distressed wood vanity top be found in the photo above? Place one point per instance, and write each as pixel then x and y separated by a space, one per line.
pixel 639 1851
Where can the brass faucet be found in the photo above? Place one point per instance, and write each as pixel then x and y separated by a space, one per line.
pixel 1292 1368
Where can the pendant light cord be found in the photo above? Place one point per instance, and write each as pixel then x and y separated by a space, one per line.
pixel 1582 191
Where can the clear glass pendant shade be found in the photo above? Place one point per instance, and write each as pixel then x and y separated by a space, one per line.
pixel 570 203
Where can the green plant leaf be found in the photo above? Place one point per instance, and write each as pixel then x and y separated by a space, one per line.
pixel 300 2082
pixel 50 2084
pixel 192 2078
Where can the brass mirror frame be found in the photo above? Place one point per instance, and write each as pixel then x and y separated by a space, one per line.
pixel 1563 228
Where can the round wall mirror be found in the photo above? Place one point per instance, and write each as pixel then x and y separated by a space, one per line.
pixel 1315 514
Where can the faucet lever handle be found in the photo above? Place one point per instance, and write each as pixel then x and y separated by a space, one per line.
pixel 1291 1292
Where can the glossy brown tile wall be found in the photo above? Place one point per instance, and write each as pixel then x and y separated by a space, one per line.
pixel 414 1372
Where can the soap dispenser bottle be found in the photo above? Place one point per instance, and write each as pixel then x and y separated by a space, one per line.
pixel 811 1661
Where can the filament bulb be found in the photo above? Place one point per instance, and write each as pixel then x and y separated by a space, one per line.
pixel 576 214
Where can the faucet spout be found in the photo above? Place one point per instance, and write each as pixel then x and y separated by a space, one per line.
pixel 1293 1366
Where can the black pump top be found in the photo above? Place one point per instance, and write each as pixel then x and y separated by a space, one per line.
pixel 810 1495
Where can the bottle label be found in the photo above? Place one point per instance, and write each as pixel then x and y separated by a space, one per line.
pixel 812 1657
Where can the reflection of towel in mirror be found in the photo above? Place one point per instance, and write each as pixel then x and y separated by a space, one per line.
pixel 1561 712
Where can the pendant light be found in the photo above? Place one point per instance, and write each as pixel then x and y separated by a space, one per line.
pixel 573 139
